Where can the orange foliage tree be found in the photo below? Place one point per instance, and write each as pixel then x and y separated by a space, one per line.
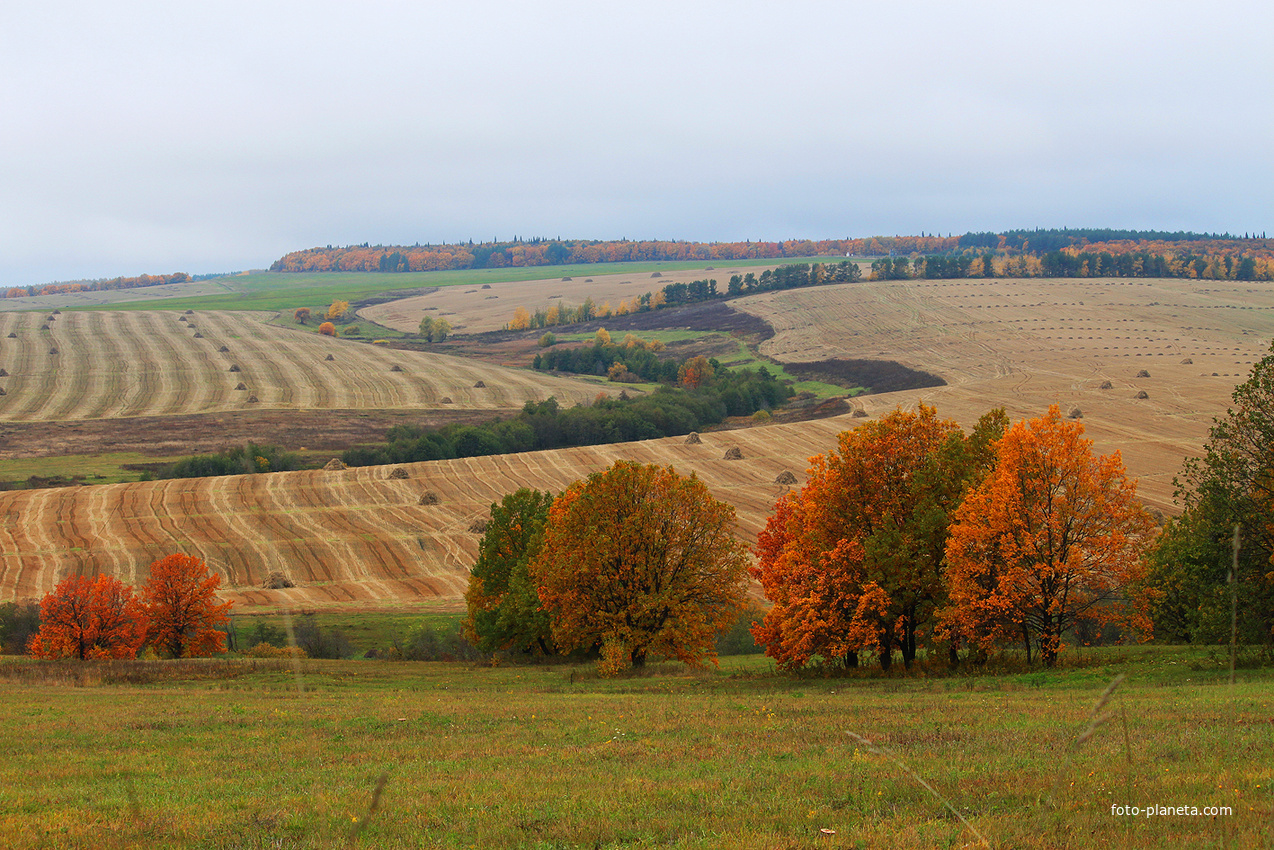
pixel 337 309
pixel 181 602
pixel 639 561
pixel 1052 536
pixel 854 561
pixel 301 314
pixel 327 329
pixel 694 372
pixel 89 618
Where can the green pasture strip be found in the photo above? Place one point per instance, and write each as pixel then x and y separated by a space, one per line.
pixel 95 469
pixel 223 755
pixel 366 631
pixel 278 291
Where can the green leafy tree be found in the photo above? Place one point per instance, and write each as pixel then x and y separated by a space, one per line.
pixel 1232 484
pixel 503 607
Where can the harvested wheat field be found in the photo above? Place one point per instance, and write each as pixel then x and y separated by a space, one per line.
pixel 1026 344
pixel 354 535
pixel 473 309
pixel 89 365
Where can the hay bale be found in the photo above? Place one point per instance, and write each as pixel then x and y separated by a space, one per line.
pixel 734 453
pixel 1143 374
pixel 241 386
pixel 395 368
pixel 785 477
pixel 588 280
pixel 1075 413
pixel 479 525
pixel 858 413
pixel 190 312
pixel 429 497
pixel 253 400
pixel 198 335
pixel 181 318
pixel 335 465
pixel 486 286
pixel 278 581
pixel 328 358
pixel 480 386
pixel 1106 385
pixel 51 318
pixel 399 474
pixel 657 274
pixel 1143 394
pixel 53 351
pixel 57 312
pixel 223 349
pixel 693 438
pixel 4 373
pixel 1187 362
pixel 234 367
pixel 2 392
pixel 44 327
pixel 12 335
pixel 565 278
pixel 446 400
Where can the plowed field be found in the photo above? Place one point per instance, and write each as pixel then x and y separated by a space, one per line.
pixel 1026 344
pixel 89 365
pixel 356 535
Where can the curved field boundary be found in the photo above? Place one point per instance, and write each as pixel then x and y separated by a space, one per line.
pixel 355 535
pixel 150 363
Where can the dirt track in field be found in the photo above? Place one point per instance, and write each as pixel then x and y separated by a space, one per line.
pixel 82 366
pixel 353 536
pixel 1026 344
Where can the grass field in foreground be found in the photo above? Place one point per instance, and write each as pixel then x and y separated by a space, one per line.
pixel 210 755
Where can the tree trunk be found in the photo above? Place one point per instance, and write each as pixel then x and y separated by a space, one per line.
pixel 639 658
pixel 1026 639
pixel 851 658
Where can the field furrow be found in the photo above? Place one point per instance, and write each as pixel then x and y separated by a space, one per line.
pixel 353 535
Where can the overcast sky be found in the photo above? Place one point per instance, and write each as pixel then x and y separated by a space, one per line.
pixel 212 136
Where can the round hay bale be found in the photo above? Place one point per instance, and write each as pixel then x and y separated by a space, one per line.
pixel 1215 375
pixel 480 386
pixel 335 465
pixel 588 280
pixel 693 438
pixel 395 368
pixel 241 386
pixel 446 400
pixel 1106 385
pixel 486 286
pixel 1075 413
pixel 479 525
pixel 1143 374
pixel 785 477
pixel 234 367
pixel 399 474
pixel 329 358
pixel 429 497
pixel 1143 394
pixel 223 349
pixel 1187 362
pixel 565 278
pixel 253 400
pixel 734 453
pixel 278 581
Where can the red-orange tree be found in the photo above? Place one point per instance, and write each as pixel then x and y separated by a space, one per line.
pixel 327 329
pixel 1053 535
pixel 638 561
pixel 854 560
pixel 89 618
pixel 181 601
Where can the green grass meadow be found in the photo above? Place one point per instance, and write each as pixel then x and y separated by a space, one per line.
pixel 270 754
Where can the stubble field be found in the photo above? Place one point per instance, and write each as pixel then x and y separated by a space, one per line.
pixel 1027 344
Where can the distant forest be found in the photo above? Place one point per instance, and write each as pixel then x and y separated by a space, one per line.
pixel 98 285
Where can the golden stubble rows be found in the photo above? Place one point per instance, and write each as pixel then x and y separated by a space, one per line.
pixel 1027 344
pixel 357 535
pixel 115 365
